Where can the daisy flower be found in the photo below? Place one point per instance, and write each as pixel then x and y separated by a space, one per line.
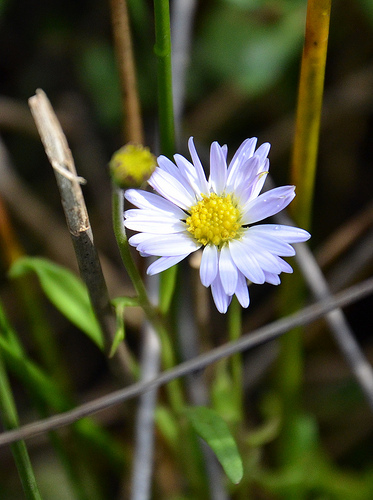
pixel 217 215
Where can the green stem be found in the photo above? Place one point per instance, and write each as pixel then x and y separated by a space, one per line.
pixel 153 316
pixel 235 330
pixel 166 120
pixel 19 450
pixel 163 52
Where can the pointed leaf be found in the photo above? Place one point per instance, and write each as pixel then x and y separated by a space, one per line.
pixel 211 427
pixel 66 292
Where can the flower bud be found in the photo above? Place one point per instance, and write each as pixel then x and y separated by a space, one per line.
pixel 131 166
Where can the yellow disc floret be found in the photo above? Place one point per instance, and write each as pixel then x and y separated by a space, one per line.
pixel 214 220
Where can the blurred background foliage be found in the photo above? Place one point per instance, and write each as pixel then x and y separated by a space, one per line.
pixel 241 82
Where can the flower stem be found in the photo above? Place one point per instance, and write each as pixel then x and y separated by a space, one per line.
pixel 235 328
pixel 19 450
pixel 152 314
pixel 163 52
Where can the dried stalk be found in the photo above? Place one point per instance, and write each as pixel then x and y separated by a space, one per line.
pixel 77 219
pixel 133 131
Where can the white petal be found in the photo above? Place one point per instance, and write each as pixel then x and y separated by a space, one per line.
pixel 267 204
pixel 164 263
pixel 269 242
pixel 242 291
pixel 170 168
pixel 221 299
pixel 218 168
pixel 169 245
pixel 228 271
pixel 209 265
pixel 149 214
pixel 246 262
pixel 289 234
pixel 145 200
pixel 203 184
pixel 171 189
pixel 188 172
pixel 155 226
pixel 138 238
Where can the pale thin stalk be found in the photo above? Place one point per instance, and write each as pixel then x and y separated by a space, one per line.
pixel 19 451
pixel 248 341
pixel 181 36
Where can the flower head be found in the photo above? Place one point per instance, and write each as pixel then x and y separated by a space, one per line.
pixel 191 212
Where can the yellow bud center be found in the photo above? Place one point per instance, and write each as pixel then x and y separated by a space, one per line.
pixel 132 165
pixel 214 219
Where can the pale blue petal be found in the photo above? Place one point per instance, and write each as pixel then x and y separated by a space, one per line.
pixel 203 184
pixel 169 245
pixel 267 204
pixel 285 267
pixel 269 242
pixel 153 215
pixel 242 290
pixel 289 234
pixel 171 189
pixel 245 151
pixel 246 262
pixel 228 271
pixel 273 279
pixel 263 150
pixel 164 263
pixel 170 168
pixel 218 168
pixel 209 265
pixel 221 299
pixel 242 183
pixel 151 201
pixel 259 181
pixel 266 260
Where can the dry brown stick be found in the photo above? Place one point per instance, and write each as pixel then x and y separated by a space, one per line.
pixel 133 131
pixel 76 214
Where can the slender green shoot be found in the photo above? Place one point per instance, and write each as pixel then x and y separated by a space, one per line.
pixel 19 450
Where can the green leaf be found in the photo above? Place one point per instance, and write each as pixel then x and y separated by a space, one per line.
pixel 66 292
pixel 120 304
pixel 212 428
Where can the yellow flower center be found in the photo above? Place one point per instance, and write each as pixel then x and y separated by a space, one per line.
pixel 214 219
